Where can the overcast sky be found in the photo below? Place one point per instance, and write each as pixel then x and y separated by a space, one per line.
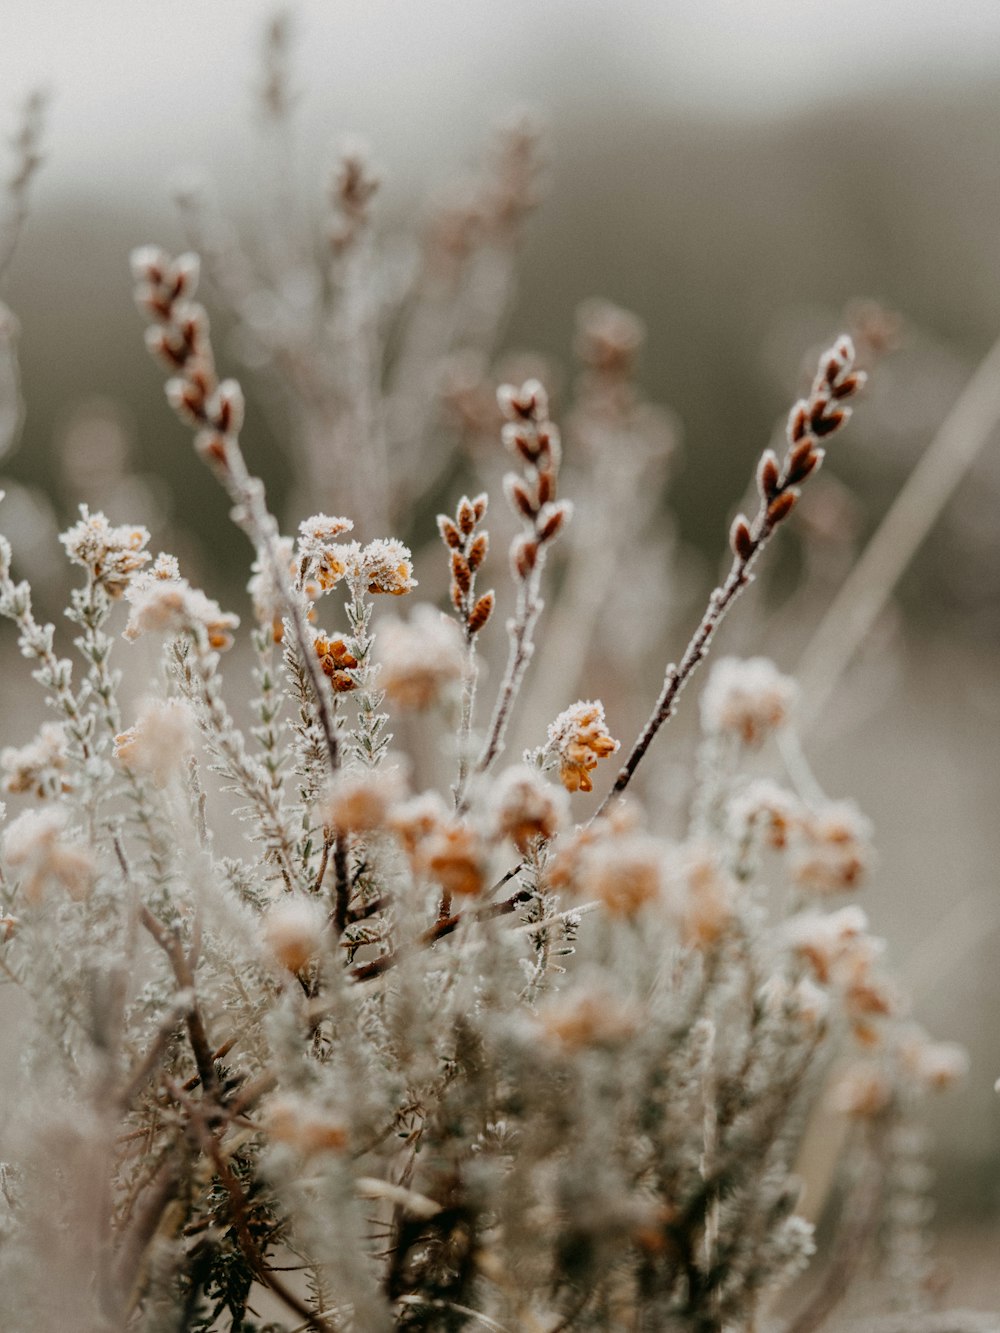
pixel 140 85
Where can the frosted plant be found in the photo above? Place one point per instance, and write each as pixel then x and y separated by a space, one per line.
pixel 425 1058
pixel 308 1042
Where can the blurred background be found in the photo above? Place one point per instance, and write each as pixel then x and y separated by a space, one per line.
pixel 739 177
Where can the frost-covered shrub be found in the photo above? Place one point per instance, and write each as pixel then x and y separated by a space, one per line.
pixel 363 1052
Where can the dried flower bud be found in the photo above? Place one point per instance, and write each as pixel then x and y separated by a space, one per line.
pixel 519 495
pixel 552 519
pixel 477 550
pixel 523 556
pixel 529 402
pixel 740 539
pixel 466 515
pixel 480 505
pixel 768 475
pixel 781 506
pixel 830 420
pixel 798 421
pixel 460 571
pixel 481 612
pixel 227 408
pixel 293 932
pixel 450 535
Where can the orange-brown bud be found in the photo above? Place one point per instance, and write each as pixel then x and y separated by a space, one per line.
pixel 781 506
pixel 477 550
pixel 740 538
pixel 481 612
pixel 450 535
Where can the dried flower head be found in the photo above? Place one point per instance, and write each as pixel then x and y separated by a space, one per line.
pixel 529 810
pixel 168 605
pixel 111 555
pixel 933 1064
pixel 360 802
pixel 863 1091
pixel 415 820
pixel 41 766
pixel 35 845
pixel 748 698
pixel 420 658
pixel 765 806
pixel 385 566
pixel 579 737
pixel 159 742
pixel 454 857
pixel 584 1018
pixel 293 932
pixel 702 895
pixel 833 849
pixel 337 662
pixel 624 873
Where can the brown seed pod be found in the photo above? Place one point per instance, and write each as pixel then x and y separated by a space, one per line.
pixel 466 515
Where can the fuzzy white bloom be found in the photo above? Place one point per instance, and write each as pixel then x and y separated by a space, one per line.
pixel 111 554
pixel 361 802
pixel 701 894
pixel 747 698
pixel 40 766
pixel 293 932
pixel 825 939
pixel 834 849
pixel 419 658
pixel 527 808
pixel 387 566
pixel 34 845
pixel 321 531
pixel 172 606
pixel 159 742
pixel 765 807
pixel 625 873
pixel 934 1064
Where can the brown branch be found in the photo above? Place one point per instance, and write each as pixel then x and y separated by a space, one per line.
pixel 488 912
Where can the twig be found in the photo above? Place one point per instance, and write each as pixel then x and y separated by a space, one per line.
pixel 810 420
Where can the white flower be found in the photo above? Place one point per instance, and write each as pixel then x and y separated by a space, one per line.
pixel 160 741
pixel 39 766
pixel 111 554
pixel 419 658
pixel 34 844
pixel 748 698
pixel 171 606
